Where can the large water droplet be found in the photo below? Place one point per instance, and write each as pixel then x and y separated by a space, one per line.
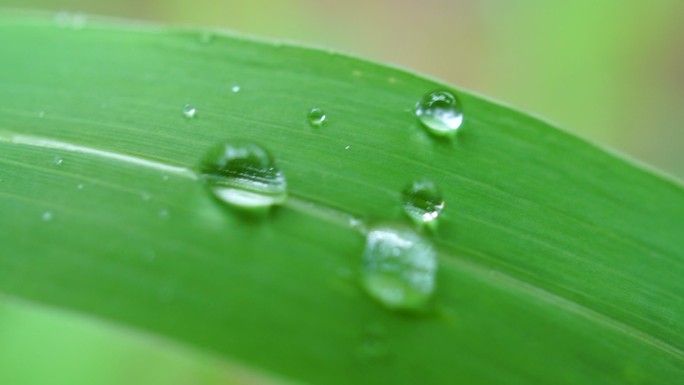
pixel 244 175
pixel 440 112
pixel 399 268
pixel 422 202
pixel 316 117
pixel 189 111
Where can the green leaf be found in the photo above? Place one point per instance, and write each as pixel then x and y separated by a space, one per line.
pixel 558 262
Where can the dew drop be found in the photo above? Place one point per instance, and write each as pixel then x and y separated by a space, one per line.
pixel 422 202
pixel 47 216
pixel 58 161
pixel 244 175
pixel 374 345
pixel 164 213
pixel 206 37
pixel 399 268
pixel 440 112
pixel 189 111
pixel 235 89
pixel 316 117
pixel 80 186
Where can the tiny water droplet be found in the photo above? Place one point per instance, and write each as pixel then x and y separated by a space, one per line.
pixel 47 216
pixel 347 147
pixel 374 344
pixel 164 213
pixel 70 20
pixel 244 175
pixel 422 202
pixel 206 37
pixel 58 161
pixel 316 117
pixel 189 111
pixel 80 186
pixel 235 89
pixel 399 268
pixel 440 112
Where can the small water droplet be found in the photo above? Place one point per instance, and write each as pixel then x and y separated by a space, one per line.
pixel 316 117
pixel 58 161
pixel 70 20
pixel 189 111
pixel 47 216
pixel 235 89
pixel 347 147
pixel 149 255
pixel 374 344
pixel 399 268
pixel 78 20
pixel 244 175
pixel 440 112
pixel 164 213
pixel 422 202
pixel 80 186
pixel 206 37
pixel 167 294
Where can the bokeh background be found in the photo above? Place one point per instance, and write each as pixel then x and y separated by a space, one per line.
pixel 610 70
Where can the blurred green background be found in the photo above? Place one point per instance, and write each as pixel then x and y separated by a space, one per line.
pixel 610 70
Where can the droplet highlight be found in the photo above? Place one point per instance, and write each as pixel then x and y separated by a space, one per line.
pixel 47 216
pixel 189 111
pixel 422 202
pixel 235 89
pixel 399 268
pixel 440 112
pixel 316 117
pixel 244 175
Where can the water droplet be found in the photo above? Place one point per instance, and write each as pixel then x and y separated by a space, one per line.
pixel 235 89
pixel 440 112
pixel 347 147
pixel 422 202
pixel 374 345
pixel 206 37
pixel 399 268
pixel 316 117
pixel 80 186
pixel 58 161
pixel 78 20
pixel 189 111
pixel 47 216
pixel 164 213
pixel 70 20
pixel 244 175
